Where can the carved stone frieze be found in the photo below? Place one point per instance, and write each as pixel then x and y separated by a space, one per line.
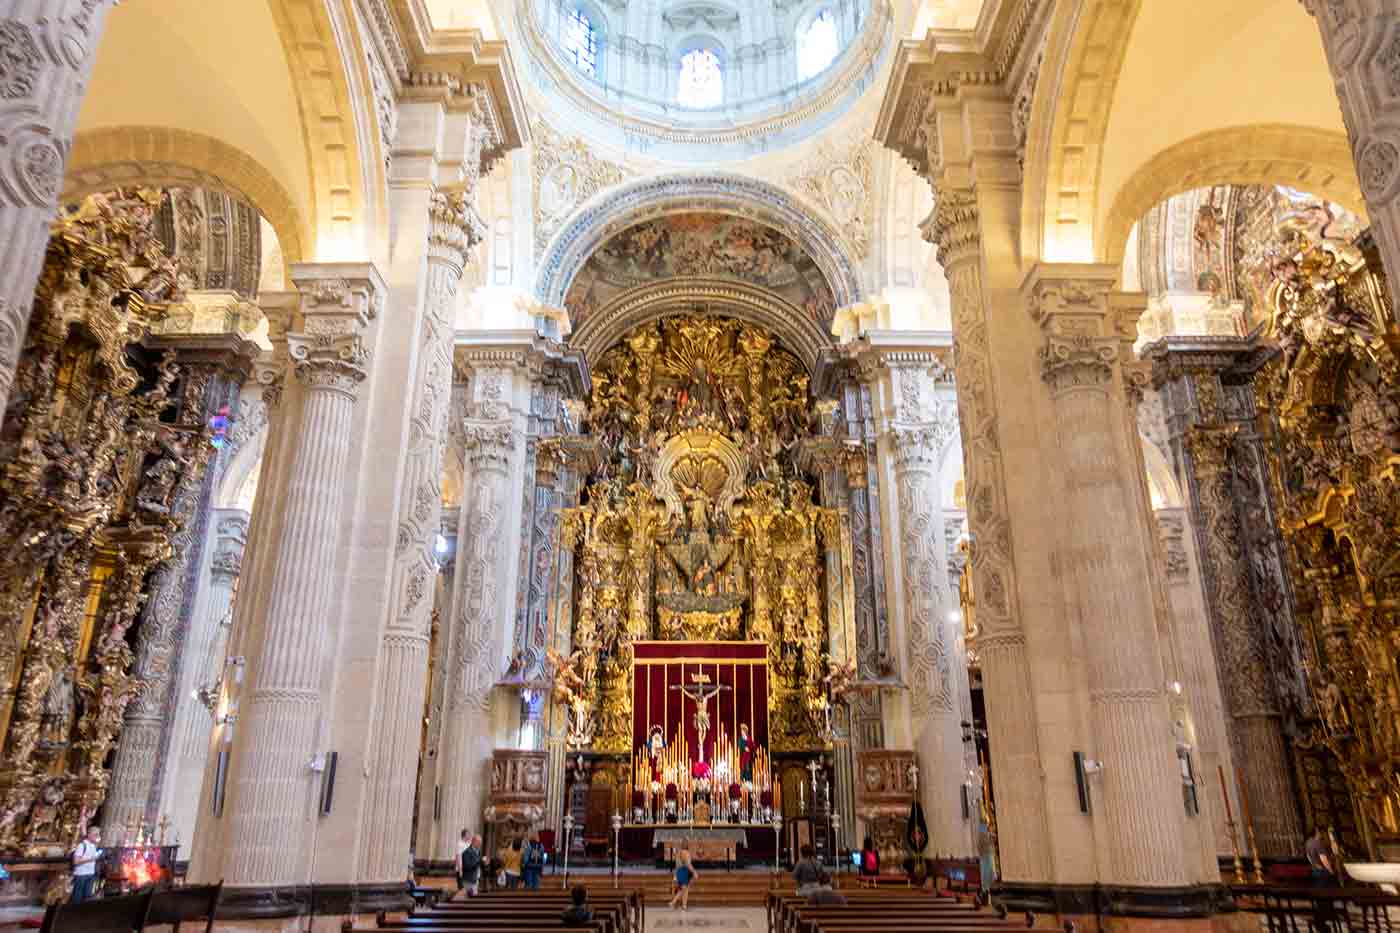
pixel 566 174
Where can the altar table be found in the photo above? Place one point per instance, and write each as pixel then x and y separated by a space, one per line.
pixel 707 843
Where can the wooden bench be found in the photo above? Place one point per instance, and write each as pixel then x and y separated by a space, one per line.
pixel 633 902
pixel 107 915
pixel 782 905
pixel 614 912
pixel 190 904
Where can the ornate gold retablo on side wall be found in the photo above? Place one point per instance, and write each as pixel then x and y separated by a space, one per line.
pixel 700 526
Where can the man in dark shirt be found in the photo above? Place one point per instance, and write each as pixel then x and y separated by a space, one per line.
pixel 825 895
pixel 807 873
pixel 580 914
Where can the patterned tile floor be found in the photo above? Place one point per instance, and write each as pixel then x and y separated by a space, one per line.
pixel 709 919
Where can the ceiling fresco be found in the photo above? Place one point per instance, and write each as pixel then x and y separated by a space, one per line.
pixel 704 245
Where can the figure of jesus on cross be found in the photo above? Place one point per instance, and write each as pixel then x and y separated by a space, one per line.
pixel 702 691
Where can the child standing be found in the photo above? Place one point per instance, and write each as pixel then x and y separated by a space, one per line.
pixel 685 874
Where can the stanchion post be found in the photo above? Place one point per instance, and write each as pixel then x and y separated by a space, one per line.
pixel 568 844
pixel 617 842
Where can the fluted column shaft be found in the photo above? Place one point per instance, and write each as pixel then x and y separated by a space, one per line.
pixel 932 646
pixel 274 785
pixel 1363 51
pixel 1106 557
pixel 203 670
pixel 477 613
pixel 403 660
pixel 48 47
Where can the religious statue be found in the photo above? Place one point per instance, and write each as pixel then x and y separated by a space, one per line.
pixel 58 711
pixel 656 744
pixel 746 753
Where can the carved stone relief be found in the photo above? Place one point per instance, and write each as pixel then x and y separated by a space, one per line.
pixel 841 183
pixel 566 174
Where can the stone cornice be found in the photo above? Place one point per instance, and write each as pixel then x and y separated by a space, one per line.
pixel 879 350
pixel 524 349
pixel 1237 357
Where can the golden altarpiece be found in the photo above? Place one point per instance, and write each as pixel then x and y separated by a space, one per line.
pixel 698 534
pixel 103 457
pixel 1333 393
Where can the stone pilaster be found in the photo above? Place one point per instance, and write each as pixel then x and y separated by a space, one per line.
pixel 274 786
pixel 215 368
pixel 48 47
pixel 1363 50
pixel 478 607
pixel 202 672
pixel 1108 562
pixel 1210 409
pixel 403 660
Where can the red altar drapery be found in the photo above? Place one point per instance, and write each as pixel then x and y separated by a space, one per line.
pixel 657 666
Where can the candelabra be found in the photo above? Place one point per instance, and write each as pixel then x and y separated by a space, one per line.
pixel 777 843
pixel 568 844
pixel 617 842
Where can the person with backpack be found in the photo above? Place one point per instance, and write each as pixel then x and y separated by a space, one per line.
pixel 85 858
pixel 533 865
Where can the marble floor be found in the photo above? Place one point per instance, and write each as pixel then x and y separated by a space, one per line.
pixel 710 919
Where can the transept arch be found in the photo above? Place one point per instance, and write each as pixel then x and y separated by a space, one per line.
pixel 614 211
pixel 158 156
pixel 1316 161
pixel 1099 115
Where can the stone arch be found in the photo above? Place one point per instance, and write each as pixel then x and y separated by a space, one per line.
pixel 619 208
pixel 1311 160
pixel 1161 478
pixel 154 155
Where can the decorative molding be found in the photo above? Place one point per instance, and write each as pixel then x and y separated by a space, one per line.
pixel 841 182
pixel 566 173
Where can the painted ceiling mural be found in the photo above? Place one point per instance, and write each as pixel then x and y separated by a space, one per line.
pixel 701 244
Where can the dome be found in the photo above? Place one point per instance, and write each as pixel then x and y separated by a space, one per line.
pixel 691 80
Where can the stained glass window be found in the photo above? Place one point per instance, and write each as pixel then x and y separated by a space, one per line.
pixel 702 82
pixel 817 46
pixel 581 42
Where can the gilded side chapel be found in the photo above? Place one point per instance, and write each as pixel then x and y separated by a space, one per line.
pixel 946 451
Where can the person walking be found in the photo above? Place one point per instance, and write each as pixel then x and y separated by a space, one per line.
pixel 512 858
pixel 85 858
pixel 685 874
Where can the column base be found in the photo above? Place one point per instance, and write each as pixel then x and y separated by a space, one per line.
pixel 311 900
pixel 1077 901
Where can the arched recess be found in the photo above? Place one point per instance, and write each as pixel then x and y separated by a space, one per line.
pixel 1123 80
pixel 647 303
pixel 1310 160
pixel 618 208
pixel 161 157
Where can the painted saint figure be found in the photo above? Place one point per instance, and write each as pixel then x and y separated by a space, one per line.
pixel 746 753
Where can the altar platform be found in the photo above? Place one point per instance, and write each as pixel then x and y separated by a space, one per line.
pixel 727 843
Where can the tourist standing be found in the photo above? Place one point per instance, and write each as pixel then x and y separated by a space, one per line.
pixel 685 874
pixel 807 873
pixel 533 866
pixel 469 866
pixel 85 858
pixel 512 858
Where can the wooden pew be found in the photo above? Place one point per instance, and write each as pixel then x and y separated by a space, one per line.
pixel 633 901
pixel 192 903
pixel 108 915
pixel 782 904
pixel 615 912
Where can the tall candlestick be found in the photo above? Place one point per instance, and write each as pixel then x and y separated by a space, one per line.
pixel 1249 828
pixel 1230 826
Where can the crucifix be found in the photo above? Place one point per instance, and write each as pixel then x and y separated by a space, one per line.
pixel 702 692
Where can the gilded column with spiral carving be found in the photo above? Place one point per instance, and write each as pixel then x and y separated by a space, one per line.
pixel 48 48
pixel 280 720
pixel 477 613
pixel 1108 559
pixel 403 661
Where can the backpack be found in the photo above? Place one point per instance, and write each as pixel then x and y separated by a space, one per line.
pixel 869 863
pixel 534 857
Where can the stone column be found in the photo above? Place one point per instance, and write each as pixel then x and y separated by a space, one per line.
pixel 478 609
pixel 273 785
pixel 214 368
pixel 203 670
pixel 1210 410
pixel 1363 50
pixel 403 661
pixel 48 47
pixel 1108 562
pixel 279 405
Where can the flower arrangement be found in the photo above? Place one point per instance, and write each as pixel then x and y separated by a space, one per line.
pixel 735 792
pixel 700 771
pixel 671 792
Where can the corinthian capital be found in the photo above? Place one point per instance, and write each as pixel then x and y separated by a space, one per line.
pixel 489 444
pixel 953 226
pixel 454 228
pixel 918 448
pixel 338 300
pixel 1088 328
